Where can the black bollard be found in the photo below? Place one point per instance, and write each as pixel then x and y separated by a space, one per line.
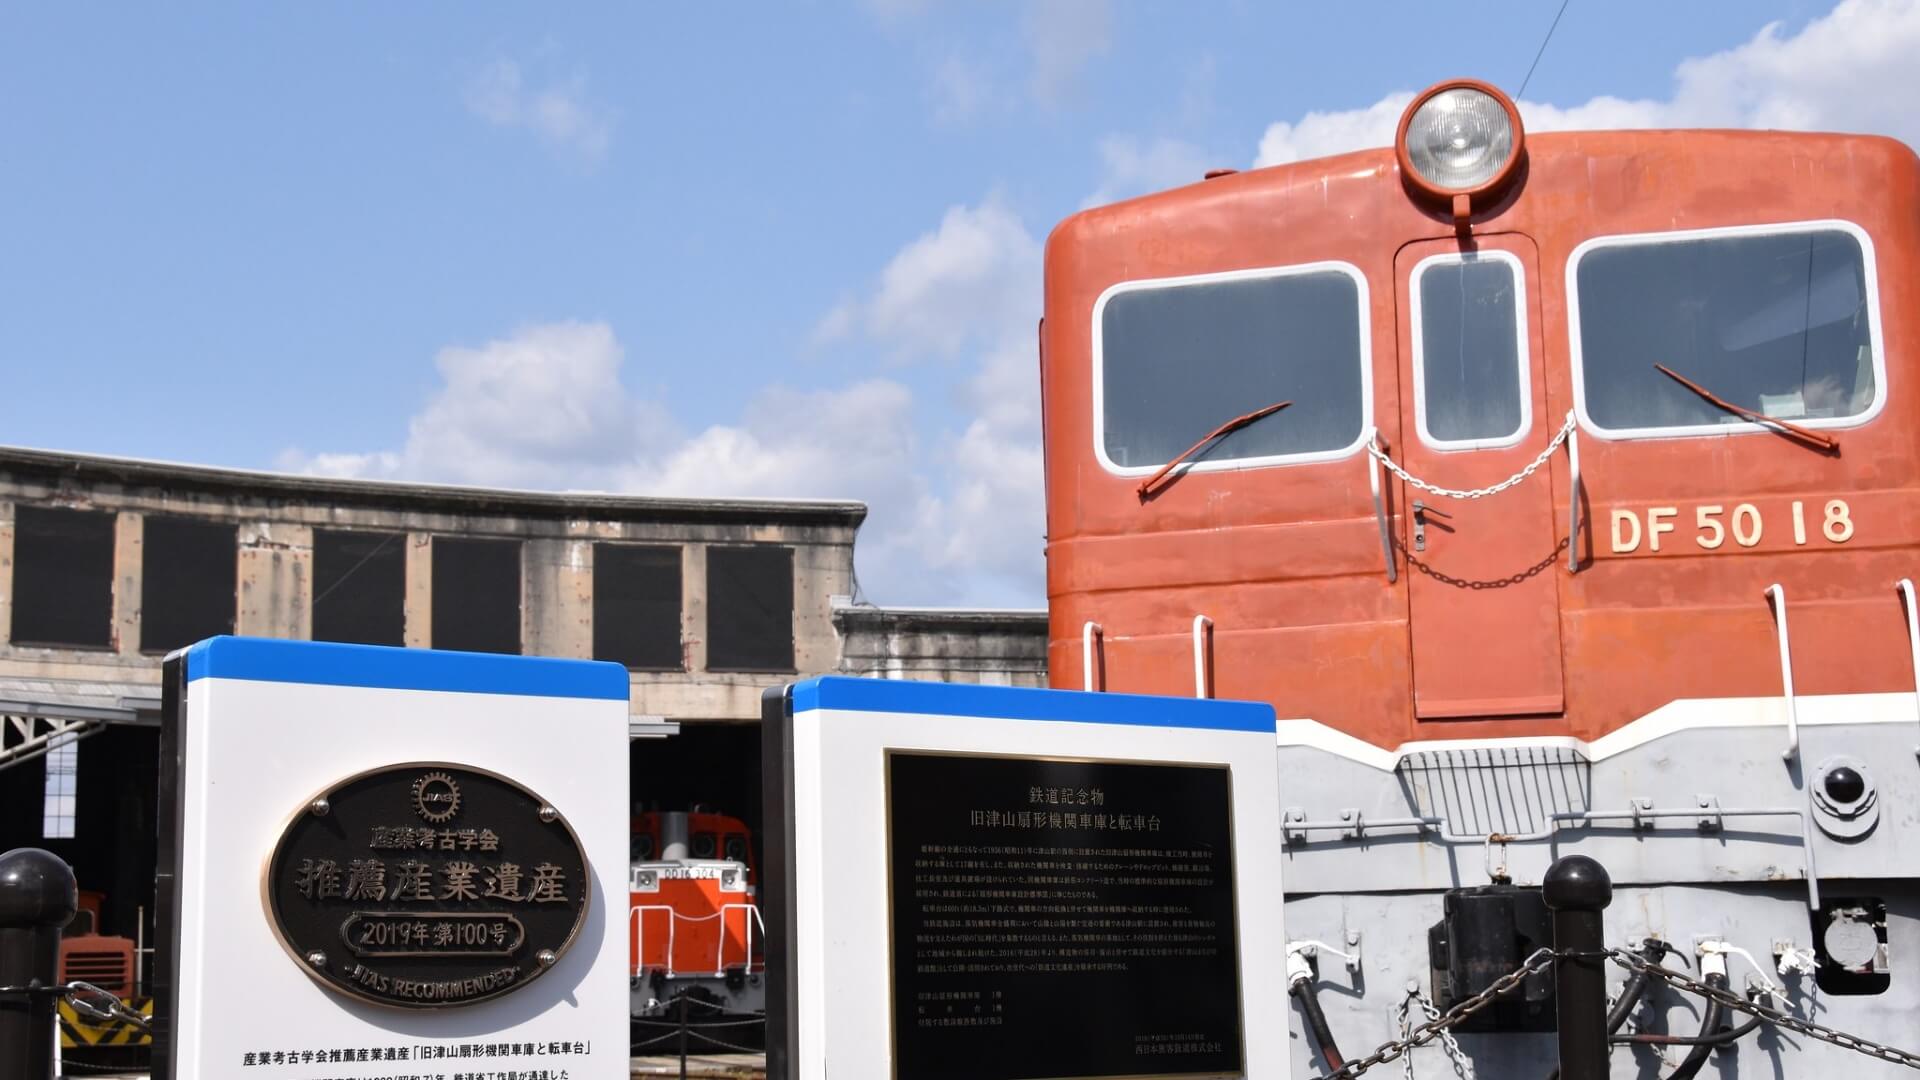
pixel 1577 889
pixel 37 897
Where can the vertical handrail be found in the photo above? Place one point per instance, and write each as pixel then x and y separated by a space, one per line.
pixel 1573 497
pixel 720 956
pixel 636 916
pixel 1089 634
pixel 1905 588
pixel 1202 656
pixel 1380 507
pixel 1778 597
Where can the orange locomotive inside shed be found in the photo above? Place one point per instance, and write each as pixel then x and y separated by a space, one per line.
pixel 1689 345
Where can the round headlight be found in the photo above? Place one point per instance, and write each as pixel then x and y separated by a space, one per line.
pixel 1460 138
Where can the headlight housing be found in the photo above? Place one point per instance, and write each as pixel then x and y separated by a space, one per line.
pixel 1460 139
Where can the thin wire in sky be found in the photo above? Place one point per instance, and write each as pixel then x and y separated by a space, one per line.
pixel 1543 47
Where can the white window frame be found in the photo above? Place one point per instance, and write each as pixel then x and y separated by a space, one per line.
pixel 1363 313
pixel 1522 354
pixel 1869 269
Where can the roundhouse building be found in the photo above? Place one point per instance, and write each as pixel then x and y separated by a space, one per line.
pixel 108 564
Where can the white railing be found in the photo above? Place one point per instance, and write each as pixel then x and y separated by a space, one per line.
pixel 753 916
pixel 1202 656
pixel 1380 508
pixel 1905 588
pixel 1778 597
pixel 1090 635
pixel 637 923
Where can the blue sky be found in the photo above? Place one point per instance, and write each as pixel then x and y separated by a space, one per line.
pixel 771 250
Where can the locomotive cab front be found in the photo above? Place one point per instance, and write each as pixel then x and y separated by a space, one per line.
pixel 1558 491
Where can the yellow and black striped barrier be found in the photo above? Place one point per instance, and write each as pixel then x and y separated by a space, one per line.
pixel 77 1029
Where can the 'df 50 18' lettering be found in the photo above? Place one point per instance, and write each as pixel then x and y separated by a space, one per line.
pixel 1715 526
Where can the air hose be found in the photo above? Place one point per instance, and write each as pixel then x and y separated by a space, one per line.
pixel 1653 951
pixel 1302 989
pixel 1709 1027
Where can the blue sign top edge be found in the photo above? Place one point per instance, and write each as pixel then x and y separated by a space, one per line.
pixel 380 667
pixel 1023 703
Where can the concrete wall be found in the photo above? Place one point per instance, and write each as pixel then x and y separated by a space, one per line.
pixel 998 648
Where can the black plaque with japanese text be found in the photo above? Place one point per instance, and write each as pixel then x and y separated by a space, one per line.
pixel 1061 919
pixel 427 885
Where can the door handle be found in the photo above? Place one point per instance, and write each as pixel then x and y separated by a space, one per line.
pixel 1420 523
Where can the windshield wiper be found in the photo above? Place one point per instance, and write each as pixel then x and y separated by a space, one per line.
pixel 1815 438
pixel 1147 486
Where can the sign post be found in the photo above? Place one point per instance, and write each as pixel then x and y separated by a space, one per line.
pixel 984 882
pixel 388 862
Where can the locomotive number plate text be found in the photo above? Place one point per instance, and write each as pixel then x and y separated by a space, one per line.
pixel 1722 526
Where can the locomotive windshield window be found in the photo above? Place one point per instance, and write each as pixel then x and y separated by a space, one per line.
pixel 1781 321
pixel 1175 359
pixel 1469 355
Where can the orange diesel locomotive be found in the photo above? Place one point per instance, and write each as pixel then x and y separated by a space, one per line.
pixel 1560 493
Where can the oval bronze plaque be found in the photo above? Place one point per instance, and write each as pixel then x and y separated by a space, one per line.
pixel 426 886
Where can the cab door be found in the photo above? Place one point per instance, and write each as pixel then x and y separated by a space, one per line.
pixel 1483 594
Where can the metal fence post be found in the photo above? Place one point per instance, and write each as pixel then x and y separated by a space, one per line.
pixel 37 897
pixel 1577 889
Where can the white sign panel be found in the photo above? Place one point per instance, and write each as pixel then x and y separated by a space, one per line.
pixel 983 882
pixel 392 863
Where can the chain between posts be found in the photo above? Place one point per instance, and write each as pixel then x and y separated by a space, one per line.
pixel 1462 1065
pixel 1437 1027
pixel 95 1002
pixel 1771 1015
pixel 1559 438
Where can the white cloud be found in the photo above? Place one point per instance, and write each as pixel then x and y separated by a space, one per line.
pixel 855 442
pixel 1849 70
pixel 1062 36
pixel 1131 166
pixel 1318 134
pixel 955 517
pixel 961 89
pixel 560 114
pixel 542 408
pixel 1057 41
pixel 953 287
pixel 972 288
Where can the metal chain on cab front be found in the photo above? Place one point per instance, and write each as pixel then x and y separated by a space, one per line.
pixel 1566 429
pixel 1403 1019
pixel 1462 1064
pixel 1437 1027
pixel 1772 1016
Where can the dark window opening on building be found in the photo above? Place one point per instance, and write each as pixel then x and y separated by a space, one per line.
pixel 62 577
pixel 359 587
pixel 187 582
pixel 111 778
pixel 636 606
pixel 476 595
pixel 750 608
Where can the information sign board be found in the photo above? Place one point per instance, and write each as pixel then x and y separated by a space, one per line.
pixel 380 863
pixel 1031 883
